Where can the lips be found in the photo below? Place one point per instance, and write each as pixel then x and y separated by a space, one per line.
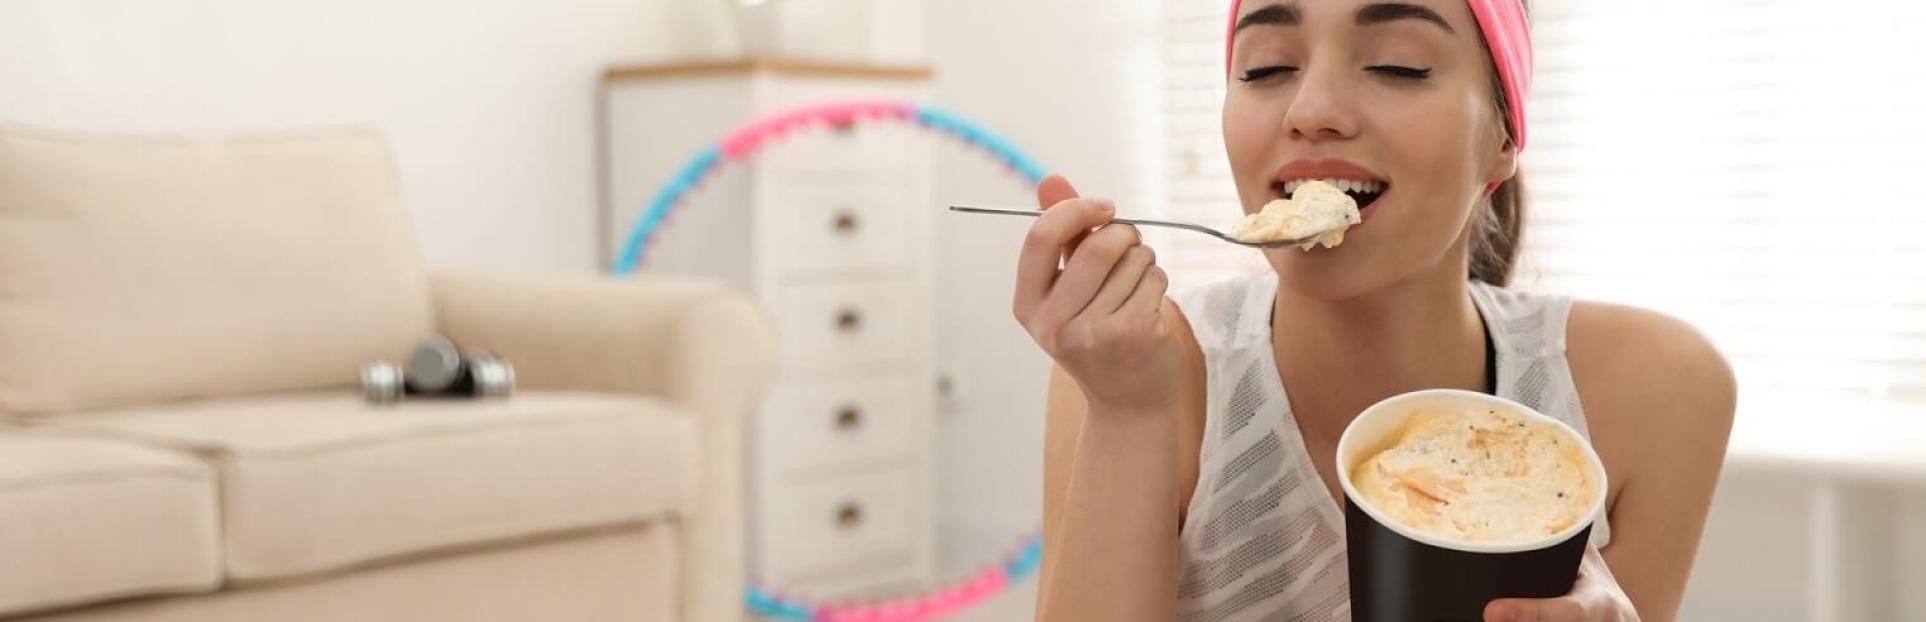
pixel 1364 186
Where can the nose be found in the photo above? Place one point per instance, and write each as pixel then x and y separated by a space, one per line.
pixel 1322 108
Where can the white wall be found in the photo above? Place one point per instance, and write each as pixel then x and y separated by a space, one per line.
pixel 1068 81
pixel 489 103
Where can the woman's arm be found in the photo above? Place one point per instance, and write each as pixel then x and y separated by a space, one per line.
pixel 1659 400
pixel 1091 295
pixel 1113 497
pixel 1110 518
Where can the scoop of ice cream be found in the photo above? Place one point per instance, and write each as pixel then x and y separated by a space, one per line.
pixel 1478 475
pixel 1316 208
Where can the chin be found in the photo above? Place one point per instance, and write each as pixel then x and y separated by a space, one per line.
pixel 1331 274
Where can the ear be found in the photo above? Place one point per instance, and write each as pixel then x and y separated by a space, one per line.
pixel 1502 162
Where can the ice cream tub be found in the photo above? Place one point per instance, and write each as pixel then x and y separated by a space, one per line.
pixel 1455 498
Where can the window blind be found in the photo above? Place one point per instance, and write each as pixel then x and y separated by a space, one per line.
pixel 1198 184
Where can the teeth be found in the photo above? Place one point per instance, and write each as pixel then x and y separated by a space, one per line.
pixel 1348 185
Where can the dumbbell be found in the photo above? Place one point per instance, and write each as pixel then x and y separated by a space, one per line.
pixel 438 367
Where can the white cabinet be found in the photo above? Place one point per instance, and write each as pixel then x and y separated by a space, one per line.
pixel 831 227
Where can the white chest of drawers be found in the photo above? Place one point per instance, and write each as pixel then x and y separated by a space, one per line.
pixel 832 228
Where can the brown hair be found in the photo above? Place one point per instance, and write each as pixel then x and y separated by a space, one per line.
pixel 1500 228
pixel 1499 233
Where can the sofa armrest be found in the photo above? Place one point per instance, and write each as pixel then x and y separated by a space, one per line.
pixel 698 344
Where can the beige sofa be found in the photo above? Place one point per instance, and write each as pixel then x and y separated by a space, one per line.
pixel 181 324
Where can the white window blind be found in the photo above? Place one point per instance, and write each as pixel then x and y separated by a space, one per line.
pixel 1198 180
pixel 1752 166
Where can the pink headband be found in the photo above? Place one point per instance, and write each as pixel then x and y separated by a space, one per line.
pixel 1507 32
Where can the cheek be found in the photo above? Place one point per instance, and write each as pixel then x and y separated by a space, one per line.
pixel 1439 176
pixel 1250 131
pixel 1423 137
pixel 1240 138
pixel 1439 161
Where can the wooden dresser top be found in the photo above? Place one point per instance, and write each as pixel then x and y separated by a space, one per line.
pixel 755 64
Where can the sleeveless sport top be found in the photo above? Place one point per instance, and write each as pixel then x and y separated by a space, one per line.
pixel 1263 540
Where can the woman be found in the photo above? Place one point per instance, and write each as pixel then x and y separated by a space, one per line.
pixel 1180 473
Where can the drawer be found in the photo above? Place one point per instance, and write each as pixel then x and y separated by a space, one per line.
pixel 834 526
pixel 866 146
pixel 848 324
pixel 866 580
pixel 841 226
pixel 811 423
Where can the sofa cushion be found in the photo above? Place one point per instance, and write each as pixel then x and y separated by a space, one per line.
pixel 311 483
pixel 84 520
pixel 139 270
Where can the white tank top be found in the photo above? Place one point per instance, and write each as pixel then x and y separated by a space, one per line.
pixel 1263 540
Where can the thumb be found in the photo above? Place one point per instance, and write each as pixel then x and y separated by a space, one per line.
pixel 1054 189
pixel 1506 611
pixel 1533 610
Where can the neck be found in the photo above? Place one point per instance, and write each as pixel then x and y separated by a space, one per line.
pixel 1340 356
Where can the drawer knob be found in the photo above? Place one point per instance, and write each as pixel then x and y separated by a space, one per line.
pixel 846 223
pixel 849 515
pixel 849 320
pixel 849 418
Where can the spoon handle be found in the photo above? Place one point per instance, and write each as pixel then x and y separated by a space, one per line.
pixel 1128 221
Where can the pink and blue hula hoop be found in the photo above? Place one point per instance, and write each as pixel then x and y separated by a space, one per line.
pixel 744 142
pixel 750 137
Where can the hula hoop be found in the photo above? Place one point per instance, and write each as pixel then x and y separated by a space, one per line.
pixel 739 145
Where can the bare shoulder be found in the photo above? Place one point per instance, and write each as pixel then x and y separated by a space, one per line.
pixel 1644 375
pixel 1627 355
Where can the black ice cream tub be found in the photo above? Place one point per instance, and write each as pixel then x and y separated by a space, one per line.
pixel 1399 574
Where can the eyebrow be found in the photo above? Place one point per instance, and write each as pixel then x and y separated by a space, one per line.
pixel 1273 15
pixel 1385 12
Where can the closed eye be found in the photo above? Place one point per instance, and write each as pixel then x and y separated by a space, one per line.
pixel 1259 73
pixel 1400 71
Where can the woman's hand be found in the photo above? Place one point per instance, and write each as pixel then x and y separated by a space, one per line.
pixel 1101 315
pixel 1595 597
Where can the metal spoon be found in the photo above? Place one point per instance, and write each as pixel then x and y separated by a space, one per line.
pixel 1154 223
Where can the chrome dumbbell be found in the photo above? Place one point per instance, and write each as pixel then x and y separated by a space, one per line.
pixel 438 367
pixel 488 376
pixel 381 382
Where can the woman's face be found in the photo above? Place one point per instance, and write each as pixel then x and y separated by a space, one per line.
pixel 1396 93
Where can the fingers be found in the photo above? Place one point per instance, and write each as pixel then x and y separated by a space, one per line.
pixel 1087 270
pixel 1122 280
pixel 1594 596
pixel 1044 246
pixel 1148 300
pixel 1105 267
pixel 1053 190
pixel 1563 609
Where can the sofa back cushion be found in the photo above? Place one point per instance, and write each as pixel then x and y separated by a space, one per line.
pixel 135 270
